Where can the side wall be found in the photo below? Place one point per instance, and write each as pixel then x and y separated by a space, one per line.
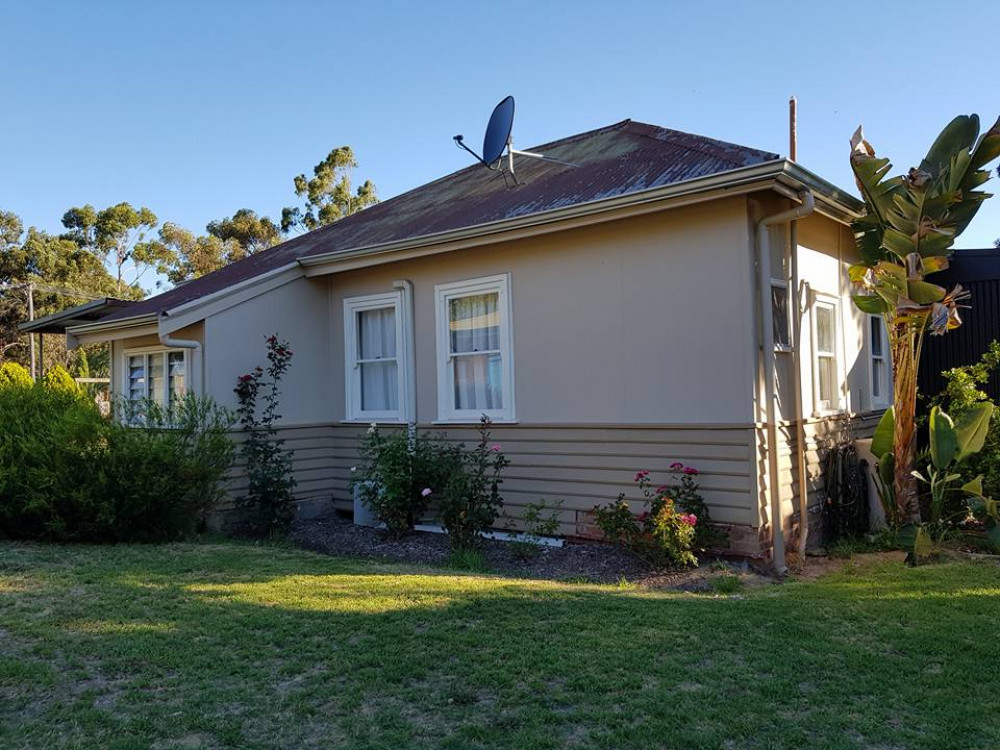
pixel 825 250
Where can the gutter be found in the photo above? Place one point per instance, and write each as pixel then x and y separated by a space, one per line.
pixel 767 334
pixel 837 204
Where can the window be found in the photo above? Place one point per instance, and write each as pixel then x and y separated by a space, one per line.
pixel 158 375
pixel 878 350
pixel 374 353
pixel 779 315
pixel 825 366
pixel 475 371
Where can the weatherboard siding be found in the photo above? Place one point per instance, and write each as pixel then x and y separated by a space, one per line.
pixel 581 465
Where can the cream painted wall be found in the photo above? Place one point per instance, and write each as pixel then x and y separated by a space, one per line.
pixel 298 312
pixel 646 320
pixel 825 252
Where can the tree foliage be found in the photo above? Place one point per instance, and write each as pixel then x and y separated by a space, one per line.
pixel 117 236
pixel 253 233
pixel 907 231
pixel 328 195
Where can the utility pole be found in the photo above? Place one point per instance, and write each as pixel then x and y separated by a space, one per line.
pixel 31 336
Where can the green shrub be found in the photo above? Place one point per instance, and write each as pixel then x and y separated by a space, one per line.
pixel 536 524
pixel 165 476
pixel 665 533
pixel 472 501
pixel 271 483
pixel 68 474
pixel 58 379
pixel 401 475
pixel 13 374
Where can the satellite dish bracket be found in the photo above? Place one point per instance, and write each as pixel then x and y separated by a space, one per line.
pixel 503 119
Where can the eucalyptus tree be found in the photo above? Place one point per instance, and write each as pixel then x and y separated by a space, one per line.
pixel 907 232
pixel 117 236
pixel 329 195
pixel 253 233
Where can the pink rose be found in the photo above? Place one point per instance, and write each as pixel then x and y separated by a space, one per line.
pixel 662 489
pixel 690 519
pixel 495 448
pixel 641 475
pixel 676 466
pixel 690 470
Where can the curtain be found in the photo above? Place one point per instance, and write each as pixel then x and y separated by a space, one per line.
pixel 474 326
pixel 377 355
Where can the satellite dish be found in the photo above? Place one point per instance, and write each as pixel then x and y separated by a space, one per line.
pixel 497 140
pixel 498 130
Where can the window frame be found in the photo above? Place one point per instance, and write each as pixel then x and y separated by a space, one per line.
pixel 443 294
pixel 878 402
pixel 782 346
pixel 821 407
pixel 145 351
pixel 353 411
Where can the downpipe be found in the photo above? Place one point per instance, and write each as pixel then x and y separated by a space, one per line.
pixel 193 346
pixel 770 392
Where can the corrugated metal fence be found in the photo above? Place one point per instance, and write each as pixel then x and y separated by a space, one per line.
pixel 979 272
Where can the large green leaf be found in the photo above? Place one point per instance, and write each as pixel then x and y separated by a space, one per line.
pixel 924 293
pixel 958 135
pixel 943 439
pixel 884 433
pixel 988 147
pixel 971 429
pixel 870 303
pixel 974 486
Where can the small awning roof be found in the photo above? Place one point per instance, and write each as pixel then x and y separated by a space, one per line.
pixel 88 312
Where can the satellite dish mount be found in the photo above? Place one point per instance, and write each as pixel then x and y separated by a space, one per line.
pixel 498 140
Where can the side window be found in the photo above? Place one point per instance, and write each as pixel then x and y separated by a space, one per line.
pixel 826 366
pixel 374 354
pixel 475 367
pixel 878 349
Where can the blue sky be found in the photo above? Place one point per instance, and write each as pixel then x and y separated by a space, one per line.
pixel 197 109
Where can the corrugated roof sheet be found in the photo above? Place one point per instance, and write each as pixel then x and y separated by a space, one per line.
pixel 623 158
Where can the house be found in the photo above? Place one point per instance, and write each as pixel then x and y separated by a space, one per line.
pixel 670 298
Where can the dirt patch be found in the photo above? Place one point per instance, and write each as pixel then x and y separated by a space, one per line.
pixel 581 562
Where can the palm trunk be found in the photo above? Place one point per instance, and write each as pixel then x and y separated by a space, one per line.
pixel 904 371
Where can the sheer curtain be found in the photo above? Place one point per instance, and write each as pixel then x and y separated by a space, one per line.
pixel 474 328
pixel 377 358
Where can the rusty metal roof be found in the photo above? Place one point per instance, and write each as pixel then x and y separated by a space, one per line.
pixel 616 160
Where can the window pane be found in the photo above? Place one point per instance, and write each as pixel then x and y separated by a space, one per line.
pixel 878 370
pixel 779 313
pixel 828 380
pixel 176 373
pixel 474 323
pixel 478 382
pixel 876 325
pixel 825 328
pixel 156 391
pixel 136 377
pixel 377 333
pixel 379 386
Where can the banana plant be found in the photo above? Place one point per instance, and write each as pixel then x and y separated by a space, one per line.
pixel 906 233
pixel 951 442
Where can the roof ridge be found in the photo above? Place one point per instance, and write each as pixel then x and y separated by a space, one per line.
pixel 699 136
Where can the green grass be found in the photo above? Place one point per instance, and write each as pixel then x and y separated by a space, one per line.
pixel 227 645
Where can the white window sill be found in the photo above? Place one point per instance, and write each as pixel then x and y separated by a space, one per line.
pixel 819 413
pixel 370 420
pixel 473 421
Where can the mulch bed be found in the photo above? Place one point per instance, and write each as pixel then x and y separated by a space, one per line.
pixel 593 562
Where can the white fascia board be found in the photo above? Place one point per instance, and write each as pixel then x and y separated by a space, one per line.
pixel 840 207
pixel 197 310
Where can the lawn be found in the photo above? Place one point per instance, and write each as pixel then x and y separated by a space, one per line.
pixel 227 645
